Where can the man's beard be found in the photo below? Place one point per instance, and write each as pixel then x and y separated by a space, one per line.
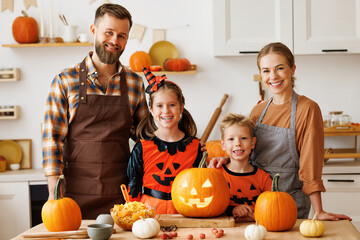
pixel 106 57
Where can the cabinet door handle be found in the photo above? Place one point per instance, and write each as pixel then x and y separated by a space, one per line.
pixel 341 180
pixel 248 52
pixel 334 50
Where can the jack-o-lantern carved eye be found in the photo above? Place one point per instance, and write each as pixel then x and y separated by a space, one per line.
pixel 207 183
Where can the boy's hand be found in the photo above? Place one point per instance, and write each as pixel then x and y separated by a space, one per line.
pixel 217 162
pixel 242 211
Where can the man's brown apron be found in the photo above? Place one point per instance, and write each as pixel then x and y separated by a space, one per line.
pixel 96 150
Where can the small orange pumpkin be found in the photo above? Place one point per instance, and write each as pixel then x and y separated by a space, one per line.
pixel 275 210
pixel 214 149
pixel 200 192
pixel 61 214
pixel 177 64
pixel 139 59
pixel 25 29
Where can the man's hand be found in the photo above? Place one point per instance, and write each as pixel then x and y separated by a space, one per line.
pixel 51 186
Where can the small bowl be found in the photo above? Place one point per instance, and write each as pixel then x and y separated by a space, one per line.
pixel 99 231
pixel 15 166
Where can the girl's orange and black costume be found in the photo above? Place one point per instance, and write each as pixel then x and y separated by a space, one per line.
pixel 153 166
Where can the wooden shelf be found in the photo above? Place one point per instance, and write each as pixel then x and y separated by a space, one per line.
pixel 342 152
pixel 10 113
pixel 192 70
pixel 10 75
pixel 24 45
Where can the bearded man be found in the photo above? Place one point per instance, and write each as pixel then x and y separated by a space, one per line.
pixel 91 111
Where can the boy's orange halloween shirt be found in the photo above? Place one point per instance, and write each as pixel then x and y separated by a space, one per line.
pixel 245 188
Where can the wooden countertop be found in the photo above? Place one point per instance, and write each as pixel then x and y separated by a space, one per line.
pixel 333 230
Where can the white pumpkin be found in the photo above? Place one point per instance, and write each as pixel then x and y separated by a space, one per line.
pixel 146 228
pixel 255 232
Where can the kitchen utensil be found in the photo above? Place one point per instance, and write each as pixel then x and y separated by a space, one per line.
pixel 62 20
pixel 11 151
pixel 124 192
pixel 213 120
pixel 83 37
pixel 338 119
pixel 15 166
pixel 66 22
pixel 65 234
pixel 162 50
pixel 99 231
pixel 68 33
pixel 105 219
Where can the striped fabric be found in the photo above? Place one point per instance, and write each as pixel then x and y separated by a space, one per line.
pixel 62 102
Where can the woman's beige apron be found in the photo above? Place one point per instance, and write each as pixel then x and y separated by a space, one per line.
pixel 96 150
pixel 276 152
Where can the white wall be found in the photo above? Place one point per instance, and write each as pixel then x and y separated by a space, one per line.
pixel 331 80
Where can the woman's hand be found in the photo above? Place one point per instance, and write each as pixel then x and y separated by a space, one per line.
pixel 217 162
pixel 332 216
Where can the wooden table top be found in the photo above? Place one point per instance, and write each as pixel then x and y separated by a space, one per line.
pixel 333 230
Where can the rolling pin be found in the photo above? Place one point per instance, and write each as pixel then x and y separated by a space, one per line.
pixel 64 234
pixel 213 120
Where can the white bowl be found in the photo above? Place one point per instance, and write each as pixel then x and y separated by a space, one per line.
pixel 15 166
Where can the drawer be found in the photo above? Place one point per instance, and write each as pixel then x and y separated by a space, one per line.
pixel 342 195
pixel 342 183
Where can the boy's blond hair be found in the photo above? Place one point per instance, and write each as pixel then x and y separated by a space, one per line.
pixel 238 119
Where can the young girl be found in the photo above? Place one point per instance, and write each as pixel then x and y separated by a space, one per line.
pixel 167 146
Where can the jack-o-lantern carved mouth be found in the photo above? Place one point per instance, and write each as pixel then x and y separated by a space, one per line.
pixel 195 201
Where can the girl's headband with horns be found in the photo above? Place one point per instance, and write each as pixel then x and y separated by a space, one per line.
pixel 154 81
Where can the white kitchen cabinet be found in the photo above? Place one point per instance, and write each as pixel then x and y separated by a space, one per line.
pixel 322 26
pixel 14 209
pixel 343 195
pixel 305 26
pixel 15 200
pixel 245 26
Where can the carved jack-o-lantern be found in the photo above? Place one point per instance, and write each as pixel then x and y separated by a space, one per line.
pixel 200 192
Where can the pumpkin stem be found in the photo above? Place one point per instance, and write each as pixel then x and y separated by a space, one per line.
pixel 315 216
pixel 57 192
pixel 274 186
pixel 203 160
pixel 24 13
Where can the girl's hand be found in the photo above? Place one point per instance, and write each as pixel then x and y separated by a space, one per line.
pixel 332 216
pixel 217 162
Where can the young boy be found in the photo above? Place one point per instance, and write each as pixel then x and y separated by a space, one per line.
pixel 246 182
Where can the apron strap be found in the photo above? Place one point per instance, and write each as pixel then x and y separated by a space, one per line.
pixel 263 112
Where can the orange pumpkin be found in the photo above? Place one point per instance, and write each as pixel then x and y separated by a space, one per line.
pixel 176 64
pixel 139 59
pixel 214 149
pixel 61 214
pixel 275 210
pixel 25 29
pixel 200 192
